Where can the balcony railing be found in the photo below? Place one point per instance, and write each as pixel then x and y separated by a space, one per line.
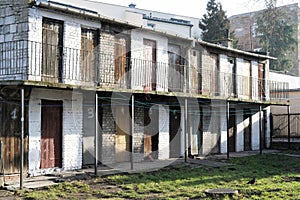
pixel 26 60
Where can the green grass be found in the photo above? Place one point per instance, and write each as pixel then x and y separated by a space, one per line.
pixel 278 177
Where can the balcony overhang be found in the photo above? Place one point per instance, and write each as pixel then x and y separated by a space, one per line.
pixel 63 86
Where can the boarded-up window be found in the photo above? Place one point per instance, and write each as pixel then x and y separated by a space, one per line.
pixel 52 50
pixel 88 54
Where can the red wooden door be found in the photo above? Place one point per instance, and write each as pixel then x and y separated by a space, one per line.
pixel 150 64
pixel 51 134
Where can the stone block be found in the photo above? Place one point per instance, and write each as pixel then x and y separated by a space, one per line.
pixel 10 20
pixel 13 28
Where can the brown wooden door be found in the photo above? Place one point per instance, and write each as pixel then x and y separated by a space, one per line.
pixel 151 133
pixel 120 61
pixel 247 129
pixel 176 70
pixel 52 37
pixel 232 130
pixel 87 54
pixel 51 134
pixel 10 127
pixel 261 88
pixel 150 64
pixel 175 132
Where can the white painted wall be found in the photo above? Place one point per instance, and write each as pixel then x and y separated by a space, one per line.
pixel 137 45
pixel 239 131
pixel 163 135
pixel 223 125
pixel 255 132
pixel 294 81
pixel 71 42
pixel 254 68
pixel 71 133
pixel 121 13
pixel 268 127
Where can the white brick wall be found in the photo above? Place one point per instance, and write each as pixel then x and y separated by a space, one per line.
pixel 71 133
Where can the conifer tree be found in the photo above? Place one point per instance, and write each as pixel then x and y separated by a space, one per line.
pixel 215 25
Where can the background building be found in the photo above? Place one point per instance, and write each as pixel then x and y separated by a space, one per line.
pixel 244 26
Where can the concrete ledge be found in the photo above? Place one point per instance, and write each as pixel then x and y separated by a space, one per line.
pixel 221 192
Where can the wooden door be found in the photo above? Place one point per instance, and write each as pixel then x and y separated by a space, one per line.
pixel 232 130
pixel 120 61
pixel 52 36
pixel 123 144
pixel 51 134
pixel 151 133
pixel 261 88
pixel 176 69
pixel 10 127
pixel 149 64
pixel 175 132
pixel 247 129
pixel 87 55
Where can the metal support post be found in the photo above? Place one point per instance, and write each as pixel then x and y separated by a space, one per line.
pixel 227 120
pixel 22 139
pixel 289 126
pixel 132 133
pixel 260 131
pixel 185 131
pixel 96 133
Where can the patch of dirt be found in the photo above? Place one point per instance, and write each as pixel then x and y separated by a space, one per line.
pixel 291 179
pixel 7 195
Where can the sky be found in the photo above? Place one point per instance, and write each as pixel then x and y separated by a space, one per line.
pixel 196 8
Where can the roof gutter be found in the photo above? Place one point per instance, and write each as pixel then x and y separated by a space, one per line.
pixel 236 50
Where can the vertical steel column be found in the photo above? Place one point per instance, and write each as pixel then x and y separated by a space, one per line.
pixel 96 133
pixel 289 126
pixel 22 139
pixel 185 130
pixel 260 131
pixel 227 122
pixel 132 132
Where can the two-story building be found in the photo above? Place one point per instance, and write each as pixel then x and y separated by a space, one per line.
pixel 78 88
